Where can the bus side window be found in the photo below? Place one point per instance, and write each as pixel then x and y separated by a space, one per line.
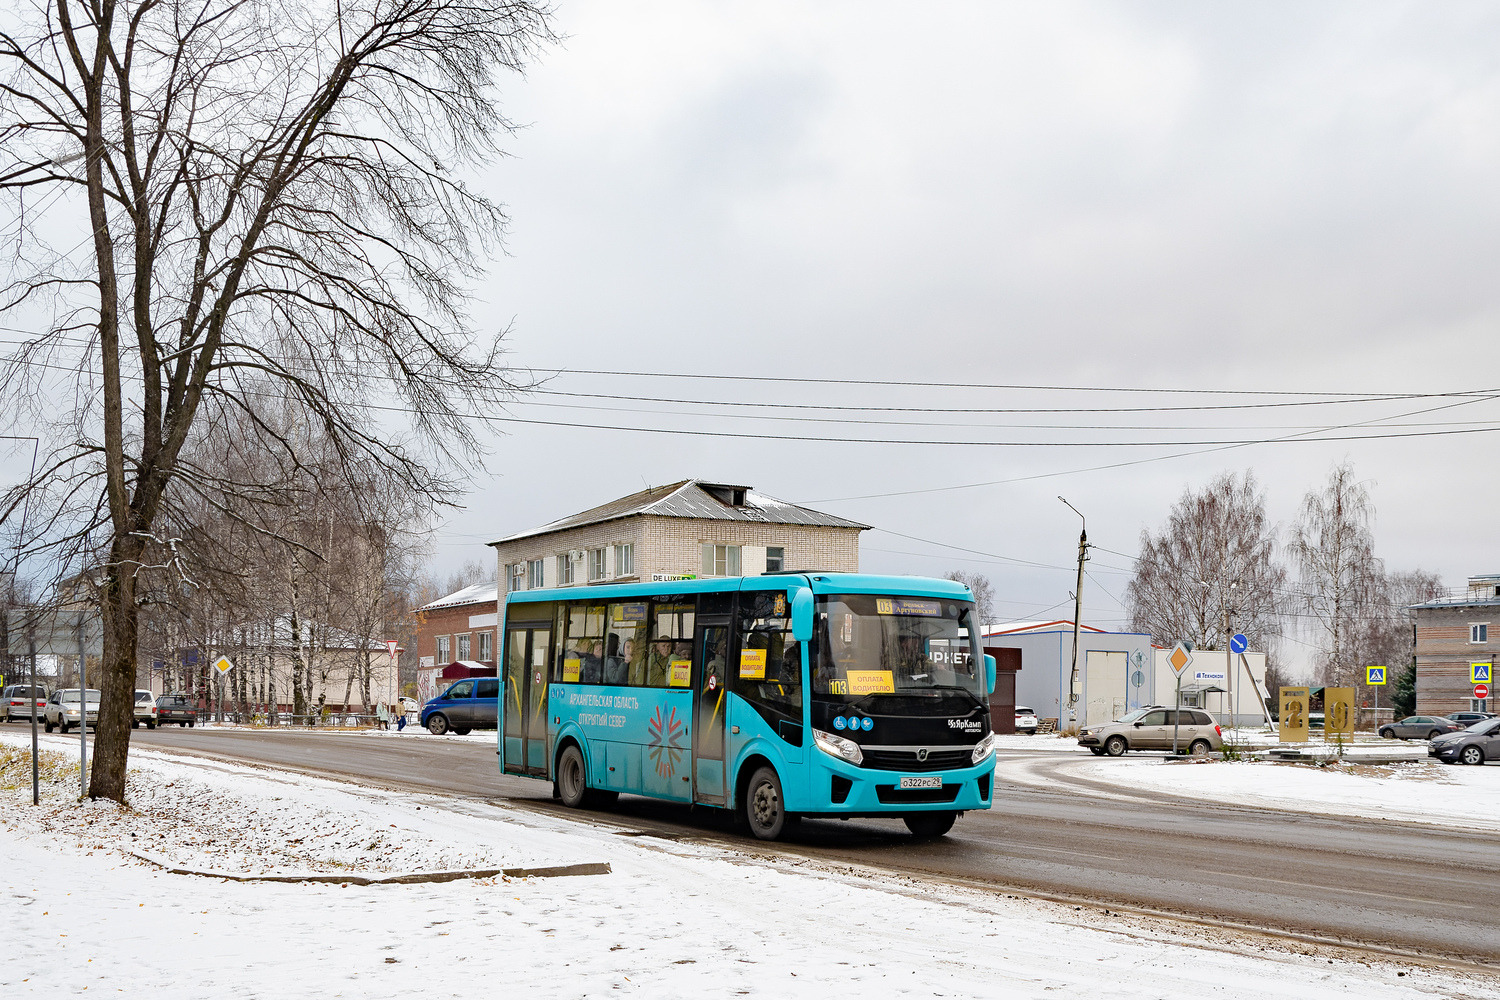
pixel 769 671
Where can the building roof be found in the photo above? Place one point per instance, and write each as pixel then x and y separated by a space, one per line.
pixel 1015 628
pixel 696 499
pixel 479 593
pixel 1457 602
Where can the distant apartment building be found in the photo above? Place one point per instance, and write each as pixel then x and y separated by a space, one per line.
pixel 1451 636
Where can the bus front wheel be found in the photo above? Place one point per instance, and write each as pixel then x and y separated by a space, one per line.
pixel 764 808
pixel 571 786
pixel 930 825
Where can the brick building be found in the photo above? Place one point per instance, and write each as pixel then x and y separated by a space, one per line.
pixel 686 529
pixel 459 628
pixel 1451 635
pixel 690 528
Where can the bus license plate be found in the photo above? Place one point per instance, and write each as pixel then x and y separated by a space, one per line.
pixel 925 781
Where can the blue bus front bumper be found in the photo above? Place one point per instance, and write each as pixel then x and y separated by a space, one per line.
pixel 839 788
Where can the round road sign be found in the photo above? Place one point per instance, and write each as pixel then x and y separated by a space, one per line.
pixel 1481 691
pixel 1238 643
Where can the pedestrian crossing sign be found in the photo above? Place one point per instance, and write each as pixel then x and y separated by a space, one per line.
pixel 1374 675
pixel 1479 673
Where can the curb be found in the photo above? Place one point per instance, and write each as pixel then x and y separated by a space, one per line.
pixel 587 868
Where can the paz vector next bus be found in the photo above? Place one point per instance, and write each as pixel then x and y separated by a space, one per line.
pixel 778 696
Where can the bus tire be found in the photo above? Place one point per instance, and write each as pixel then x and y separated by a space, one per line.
pixel 764 808
pixel 572 778
pixel 930 826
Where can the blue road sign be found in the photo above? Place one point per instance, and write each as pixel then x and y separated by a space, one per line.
pixel 1374 675
pixel 1238 643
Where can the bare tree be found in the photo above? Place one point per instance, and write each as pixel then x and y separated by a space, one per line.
pixel 984 592
pixel 1342 583
pixel 1384 636
pixel 1213 565
pixel 275 217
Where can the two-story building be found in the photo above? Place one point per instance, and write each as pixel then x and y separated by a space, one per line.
pixel 686 529
pixel 1451 635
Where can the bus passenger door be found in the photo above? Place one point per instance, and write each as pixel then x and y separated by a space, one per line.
pixel 525 714
pixel 708 713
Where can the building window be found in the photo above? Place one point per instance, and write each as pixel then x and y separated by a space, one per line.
pixel 1479 632
pixel 775 559
pixel 535 579
pixel 515 576
pixel 463 647
pixel 564 570
pixel 596 564
pixel 1479 704
pixel 486 645
pixel 721 560
pixel 625 560
pixel 444 655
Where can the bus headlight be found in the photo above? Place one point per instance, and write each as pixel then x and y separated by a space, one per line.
pixel 985 748
pixel 837 746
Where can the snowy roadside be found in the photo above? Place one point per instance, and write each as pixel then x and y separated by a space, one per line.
pixel 1422 791
pixel 675 918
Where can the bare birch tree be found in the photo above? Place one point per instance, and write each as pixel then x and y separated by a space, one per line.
pixel 1341 582
pixel 984 593
pixel 272 214
pixel 1213 564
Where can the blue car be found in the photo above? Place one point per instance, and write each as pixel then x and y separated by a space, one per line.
pixel 472 703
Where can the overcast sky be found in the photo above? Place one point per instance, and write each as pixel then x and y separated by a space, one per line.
pixel 1282 197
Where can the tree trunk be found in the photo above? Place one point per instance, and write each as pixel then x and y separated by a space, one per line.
pixel 117 674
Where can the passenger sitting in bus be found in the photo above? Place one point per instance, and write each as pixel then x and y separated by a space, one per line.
pixel 616 671
pixel 660 663
pixel 591 668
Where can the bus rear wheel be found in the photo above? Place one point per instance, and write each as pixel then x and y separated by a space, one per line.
pixel 930 825
pixel 764 809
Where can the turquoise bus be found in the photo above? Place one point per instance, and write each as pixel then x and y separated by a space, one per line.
pixel 779 696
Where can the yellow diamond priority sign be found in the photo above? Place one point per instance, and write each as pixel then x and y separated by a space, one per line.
pixel 223 666
pixel 1179 658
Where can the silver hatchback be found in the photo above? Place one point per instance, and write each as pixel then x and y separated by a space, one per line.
pixel 1155 728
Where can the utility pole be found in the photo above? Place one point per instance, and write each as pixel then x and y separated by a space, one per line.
pixel 1083 551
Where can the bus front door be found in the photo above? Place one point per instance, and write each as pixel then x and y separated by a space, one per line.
pixel 525 716
pixel 708 713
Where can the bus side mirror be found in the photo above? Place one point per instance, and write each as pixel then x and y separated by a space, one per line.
pixel 802 617
pixel 989 673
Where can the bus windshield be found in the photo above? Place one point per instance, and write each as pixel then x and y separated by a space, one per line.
pixel 868 645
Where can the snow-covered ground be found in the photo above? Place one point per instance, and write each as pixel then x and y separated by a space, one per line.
pixel 672 919
pixel 1422 791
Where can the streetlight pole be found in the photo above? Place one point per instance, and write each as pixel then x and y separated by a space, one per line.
pixel 1083 549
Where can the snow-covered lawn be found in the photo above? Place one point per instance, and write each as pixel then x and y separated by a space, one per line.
pixel 1422 791
pixel 673 919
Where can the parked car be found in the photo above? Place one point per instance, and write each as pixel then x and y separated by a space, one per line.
pixel 1152 728
pixel 1469 718
pixel 178 708
pixel 1475 745
pixel 62 709
pixel 145 710
pixel 472 703
pixel 22 701
pixel 1419 727
pixel 1025 721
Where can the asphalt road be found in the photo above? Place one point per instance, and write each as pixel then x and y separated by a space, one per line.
pixel 1411 887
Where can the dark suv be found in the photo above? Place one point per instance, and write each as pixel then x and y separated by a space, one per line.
pixel 178 708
